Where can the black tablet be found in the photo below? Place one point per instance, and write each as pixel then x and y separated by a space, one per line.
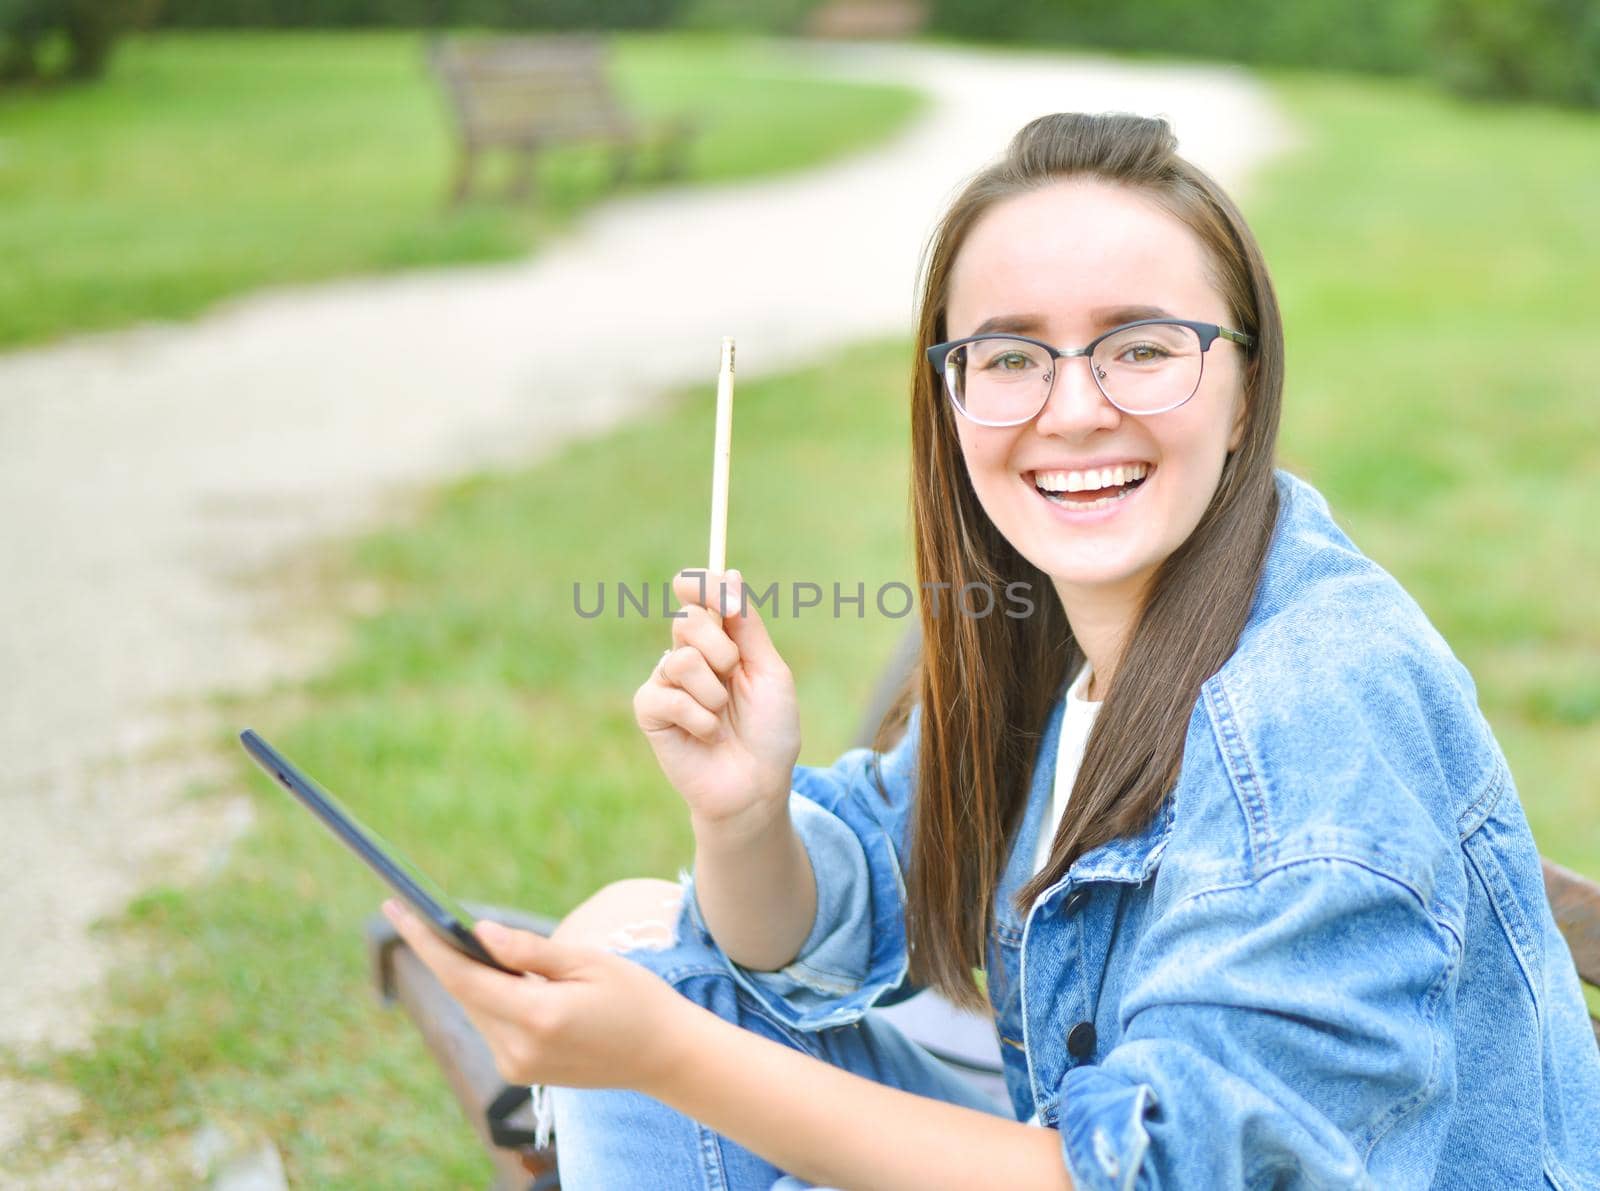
pixel 449 921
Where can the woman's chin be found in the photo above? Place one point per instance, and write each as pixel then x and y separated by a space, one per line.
pixel 1083 577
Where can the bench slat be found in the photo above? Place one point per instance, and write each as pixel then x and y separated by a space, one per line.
pixel 1575 900
pixel 455 1043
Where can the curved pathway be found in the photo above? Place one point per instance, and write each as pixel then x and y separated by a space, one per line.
pixel 150 478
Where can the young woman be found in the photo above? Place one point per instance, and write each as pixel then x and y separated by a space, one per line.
pixel 1204 794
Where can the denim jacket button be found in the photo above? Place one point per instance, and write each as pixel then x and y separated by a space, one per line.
pixel 1080 1040
pixel 1075 901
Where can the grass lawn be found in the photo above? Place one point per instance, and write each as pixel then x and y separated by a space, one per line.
pixel 1441 317
pixel 1440 393
pixel 211 164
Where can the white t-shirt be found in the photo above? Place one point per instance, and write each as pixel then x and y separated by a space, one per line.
pixel 1075 724
pixel 1076 721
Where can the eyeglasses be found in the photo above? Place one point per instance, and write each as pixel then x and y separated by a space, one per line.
pixel 1144 367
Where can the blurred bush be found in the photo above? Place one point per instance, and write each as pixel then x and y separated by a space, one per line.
pixel 772 16
pixel 1538 49
pixel 1534 49
pixel 1376 35
pixel 491 14
pixel 767 16
pixel 70 39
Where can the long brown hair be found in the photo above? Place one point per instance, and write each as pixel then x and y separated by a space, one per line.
pixel 987 684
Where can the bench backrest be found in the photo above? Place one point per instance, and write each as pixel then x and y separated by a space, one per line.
pixel 519 91
pixel 1575 902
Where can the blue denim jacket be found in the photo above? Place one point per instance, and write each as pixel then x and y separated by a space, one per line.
pixel 1328 962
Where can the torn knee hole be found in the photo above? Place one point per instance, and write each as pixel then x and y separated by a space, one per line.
pixel 647 934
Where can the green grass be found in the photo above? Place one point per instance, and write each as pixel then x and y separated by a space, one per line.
pixel 1440 394
pixel 211 164
pixel 486 726
pixel 1440 313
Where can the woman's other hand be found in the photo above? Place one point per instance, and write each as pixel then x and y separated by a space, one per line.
pixel 719 710
pixel 581 1017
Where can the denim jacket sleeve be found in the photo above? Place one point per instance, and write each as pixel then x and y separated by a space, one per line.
pixel 1279 1029
pixel 855 836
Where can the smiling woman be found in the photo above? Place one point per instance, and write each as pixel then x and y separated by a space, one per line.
pixel 1076 251
pixel 1245 868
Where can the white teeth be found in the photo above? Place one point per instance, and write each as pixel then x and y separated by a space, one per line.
pixel 1082 481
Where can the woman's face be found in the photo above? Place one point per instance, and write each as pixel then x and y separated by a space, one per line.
pixel 1062 264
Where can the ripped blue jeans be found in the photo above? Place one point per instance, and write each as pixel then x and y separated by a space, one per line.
pixel 610 1139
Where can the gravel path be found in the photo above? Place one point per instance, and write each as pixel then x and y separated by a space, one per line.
pixel 149 478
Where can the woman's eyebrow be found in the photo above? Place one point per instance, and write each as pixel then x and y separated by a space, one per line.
pixel 1111 316
pixel 1101 316
pixel 1022 324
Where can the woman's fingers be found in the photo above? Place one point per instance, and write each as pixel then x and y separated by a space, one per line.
pixel 687 667
pixel 749 632
pixel 657 706
pixel 529 951
pixel 468 981
pixel 499 1006
pixel 704 589
pixel 699 620
pixel 694 625
pixel 722 621
pixel 716 632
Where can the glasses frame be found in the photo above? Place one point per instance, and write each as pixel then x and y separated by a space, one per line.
pixel 1207 333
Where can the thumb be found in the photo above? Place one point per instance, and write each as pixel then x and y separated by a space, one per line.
pixel 744 624
pixel 528 951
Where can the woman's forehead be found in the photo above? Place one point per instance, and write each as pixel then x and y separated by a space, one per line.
pixel 1075 248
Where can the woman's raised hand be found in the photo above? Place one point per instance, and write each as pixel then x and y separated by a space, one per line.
pixel 719 710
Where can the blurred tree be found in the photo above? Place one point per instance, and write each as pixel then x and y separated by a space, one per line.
pixel 432 14
pixel 1513 49
pixel 86 29
pixel 1540 49
pixel 764 16
pixel 1375 35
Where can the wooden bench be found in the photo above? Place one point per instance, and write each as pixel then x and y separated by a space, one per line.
pixel 498 1112
pixel 525 94
pixel 964 1041
pixel 859 19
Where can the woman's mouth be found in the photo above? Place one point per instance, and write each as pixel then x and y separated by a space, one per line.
pixel 1096 488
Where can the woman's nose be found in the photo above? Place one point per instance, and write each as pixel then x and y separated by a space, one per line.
pixel 1076 406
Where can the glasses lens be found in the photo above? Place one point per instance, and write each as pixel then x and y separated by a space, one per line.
pixel 1150 368
pixel 999 380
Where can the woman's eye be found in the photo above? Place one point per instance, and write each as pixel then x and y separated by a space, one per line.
pixel 1009 362
pixel 1143 353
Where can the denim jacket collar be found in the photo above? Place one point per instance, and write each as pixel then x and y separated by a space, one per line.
pixel 1130 858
